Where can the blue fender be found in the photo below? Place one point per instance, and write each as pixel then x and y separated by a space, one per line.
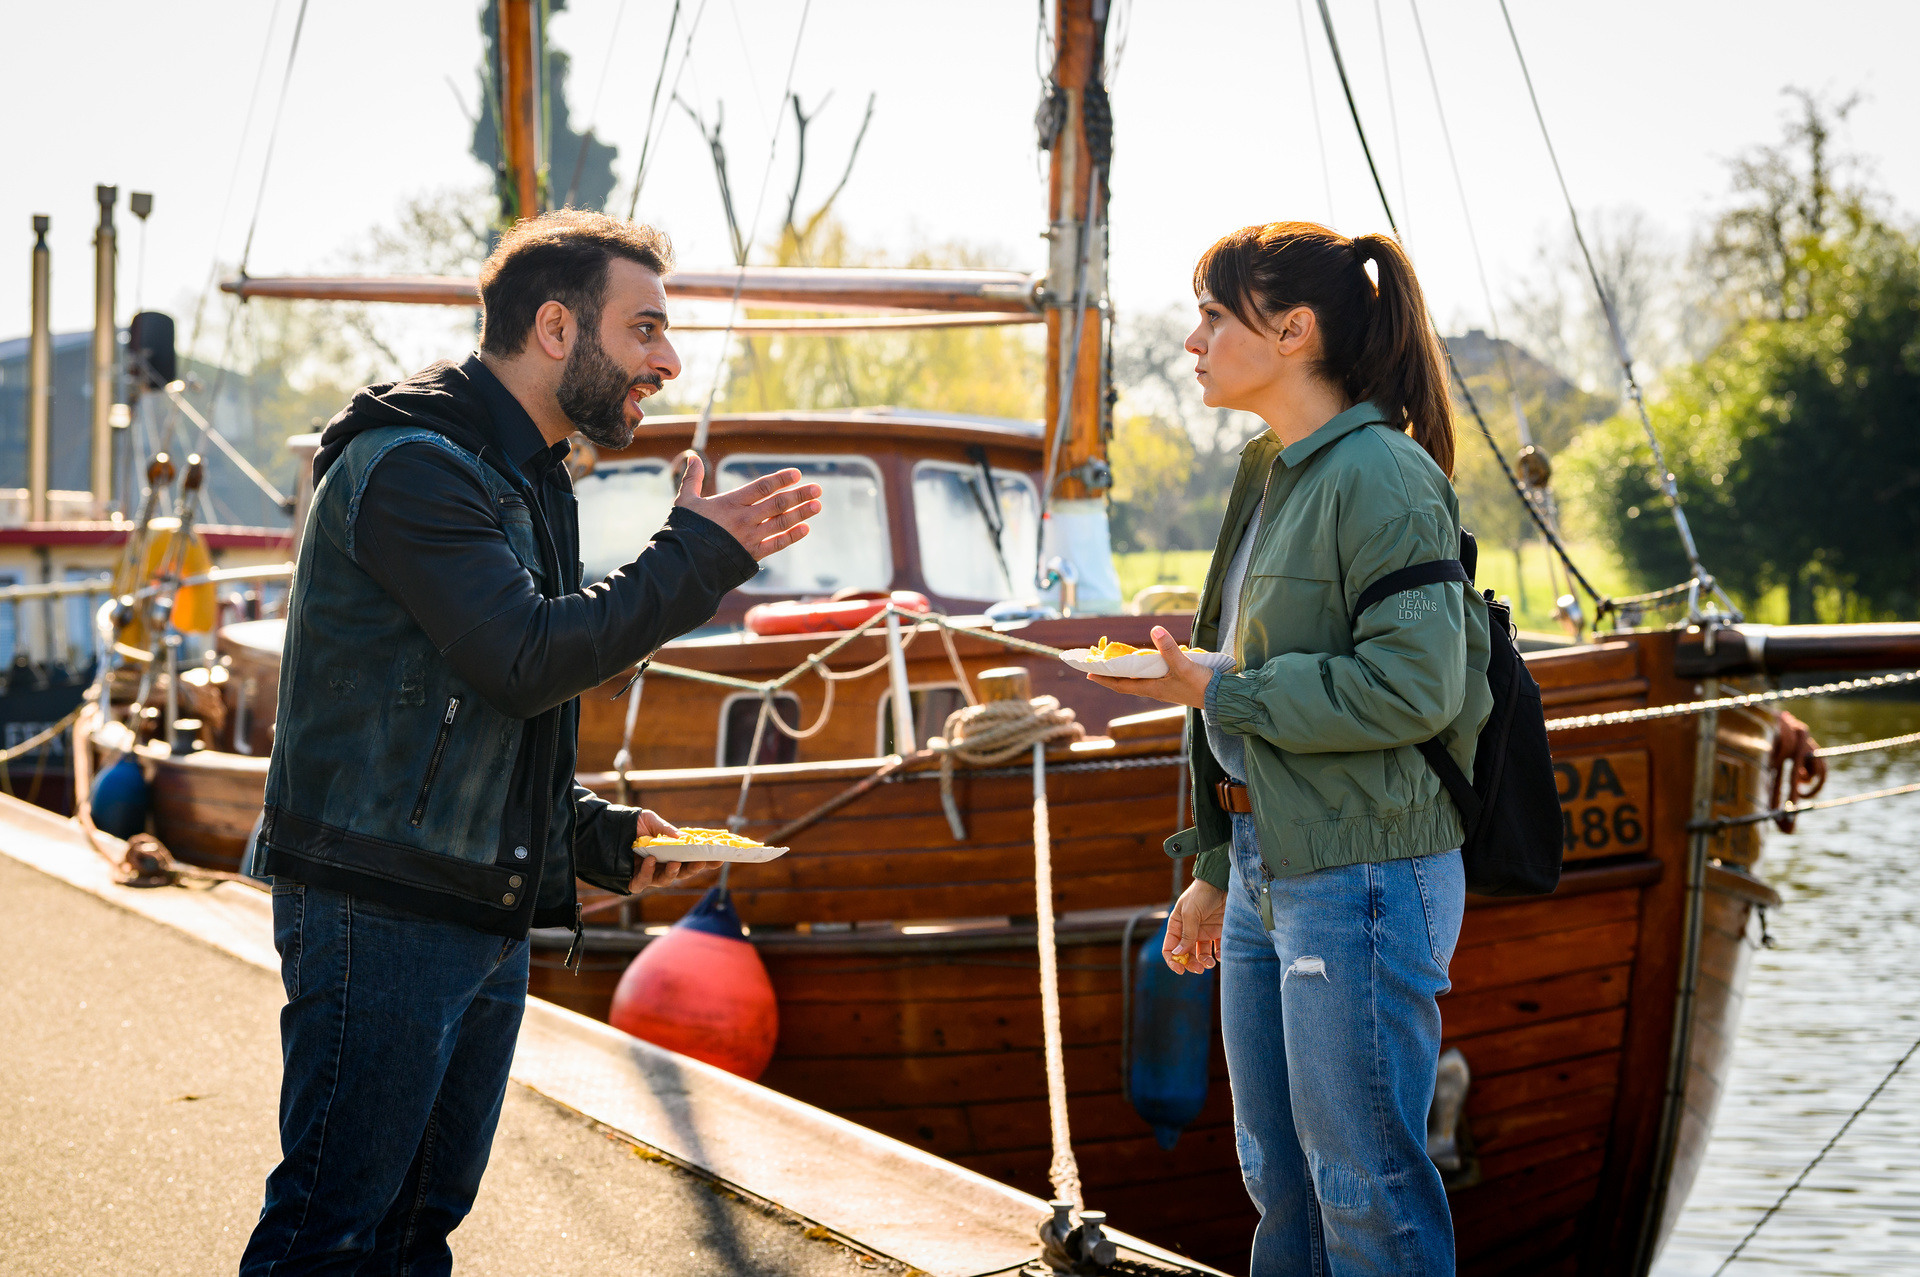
pixel 1171 1038
pixel 120 799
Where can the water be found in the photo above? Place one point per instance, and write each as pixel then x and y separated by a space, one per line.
pixel 1827 1014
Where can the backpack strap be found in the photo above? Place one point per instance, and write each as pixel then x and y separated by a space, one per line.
pixel 1458 787
pixel 1411 578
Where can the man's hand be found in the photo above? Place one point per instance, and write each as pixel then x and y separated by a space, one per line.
pixel 765 516
pixel 1185 682
pixel 652 872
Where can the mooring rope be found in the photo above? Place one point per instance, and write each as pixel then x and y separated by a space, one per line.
pixel 1064 1171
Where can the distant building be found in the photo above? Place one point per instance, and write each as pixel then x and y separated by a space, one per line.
pixel 71 446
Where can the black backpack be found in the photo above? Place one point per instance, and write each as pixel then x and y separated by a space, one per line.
pixel 1512 807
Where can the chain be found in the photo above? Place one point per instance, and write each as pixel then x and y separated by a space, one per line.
pixel 1728 702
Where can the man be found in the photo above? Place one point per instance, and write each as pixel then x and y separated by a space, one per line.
pixel 421 811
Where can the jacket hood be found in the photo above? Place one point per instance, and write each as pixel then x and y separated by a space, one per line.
pixel 440 397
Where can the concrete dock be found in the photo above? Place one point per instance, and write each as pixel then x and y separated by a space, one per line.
pixel 139 1046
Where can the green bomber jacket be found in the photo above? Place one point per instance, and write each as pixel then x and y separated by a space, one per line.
pixel 1332 706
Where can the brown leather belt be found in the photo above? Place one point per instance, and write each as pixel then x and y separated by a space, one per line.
pixel 1233 797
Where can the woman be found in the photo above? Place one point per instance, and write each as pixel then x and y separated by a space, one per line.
pixel 1328 883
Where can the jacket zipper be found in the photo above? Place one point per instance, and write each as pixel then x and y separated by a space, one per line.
pixel 433 760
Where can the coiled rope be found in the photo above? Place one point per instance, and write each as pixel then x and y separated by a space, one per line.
pixel 994 732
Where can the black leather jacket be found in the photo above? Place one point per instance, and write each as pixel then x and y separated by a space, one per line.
pixel 439 637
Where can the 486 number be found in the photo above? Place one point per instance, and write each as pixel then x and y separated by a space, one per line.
pixel 1598 828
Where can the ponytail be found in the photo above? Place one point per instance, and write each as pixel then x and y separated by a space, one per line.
pixel 1376 341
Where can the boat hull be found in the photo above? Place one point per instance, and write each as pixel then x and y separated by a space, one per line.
pixel 1564 1006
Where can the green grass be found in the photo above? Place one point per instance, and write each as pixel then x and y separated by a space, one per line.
pixel 1531 585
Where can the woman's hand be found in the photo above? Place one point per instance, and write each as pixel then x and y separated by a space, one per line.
pixel 652 872
pixel 1185 682
pixel 1193 929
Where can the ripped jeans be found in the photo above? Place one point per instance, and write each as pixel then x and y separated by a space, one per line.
pixel 1332 1038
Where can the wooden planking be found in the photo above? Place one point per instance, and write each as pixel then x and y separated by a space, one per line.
pixel 1544 916
pixel 1544 1235
pixel 1493 965
pixel 1556 1115
pixel 932 900
pixel 1507 1163
pixel 850 1084
pixel 1509 1050
pixel 1543 1082
pixel 1487 1205
pixel 857 1029
pixel 1535 1001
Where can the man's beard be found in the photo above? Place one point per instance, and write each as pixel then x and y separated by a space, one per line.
pixel 593 392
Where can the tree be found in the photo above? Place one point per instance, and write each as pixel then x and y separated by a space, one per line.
pixel 579 167
pixel 1793 443
pixel 1152 467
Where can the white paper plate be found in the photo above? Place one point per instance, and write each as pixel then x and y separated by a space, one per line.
pixel 1145 663
pixel 685 851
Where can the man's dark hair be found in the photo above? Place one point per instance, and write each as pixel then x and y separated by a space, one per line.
pixel 560 257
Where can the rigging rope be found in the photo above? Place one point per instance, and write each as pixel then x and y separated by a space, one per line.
pixel 753 231
pixel 1313 99
pixel 1793 809
pixel 650 137
pixel 233 179
pixel 1668 485
pixel 1801 1178
pixel 1386 205
pixel 593 113
pixel 259 201
pixel 1393 112
pixel 1466 215
pixel 1729 702
pixel 1888 742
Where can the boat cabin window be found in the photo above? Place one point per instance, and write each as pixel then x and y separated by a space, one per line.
pixel 956 516
pixel 622 504
pixel 850 546
pixel 932 705
pixel 740 715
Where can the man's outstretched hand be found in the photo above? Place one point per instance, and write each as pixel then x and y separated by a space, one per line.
pixel 765 516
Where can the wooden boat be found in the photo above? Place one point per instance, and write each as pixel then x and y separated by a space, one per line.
pixel 904 959
pixel 1597 1022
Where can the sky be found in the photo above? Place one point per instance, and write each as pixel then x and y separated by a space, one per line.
pixel 1215 105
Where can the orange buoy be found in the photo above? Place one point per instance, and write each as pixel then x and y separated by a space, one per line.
pixel 701 990
pixel 844 611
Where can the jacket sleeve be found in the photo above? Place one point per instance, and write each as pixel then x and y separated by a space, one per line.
pixel 603 835
pixel 1405 680
pixel 425 530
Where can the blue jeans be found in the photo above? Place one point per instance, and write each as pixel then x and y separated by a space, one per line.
pixel 1332 1038
pixel 397 1035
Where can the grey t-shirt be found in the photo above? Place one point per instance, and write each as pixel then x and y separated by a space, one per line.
pixel 1228 749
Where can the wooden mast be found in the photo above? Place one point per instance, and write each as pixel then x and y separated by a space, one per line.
pixel 1076 205
pixel 517 48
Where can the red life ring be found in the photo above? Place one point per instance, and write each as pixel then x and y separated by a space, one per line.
pixel 820 616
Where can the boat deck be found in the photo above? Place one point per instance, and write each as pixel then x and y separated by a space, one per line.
pixel 141 1046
